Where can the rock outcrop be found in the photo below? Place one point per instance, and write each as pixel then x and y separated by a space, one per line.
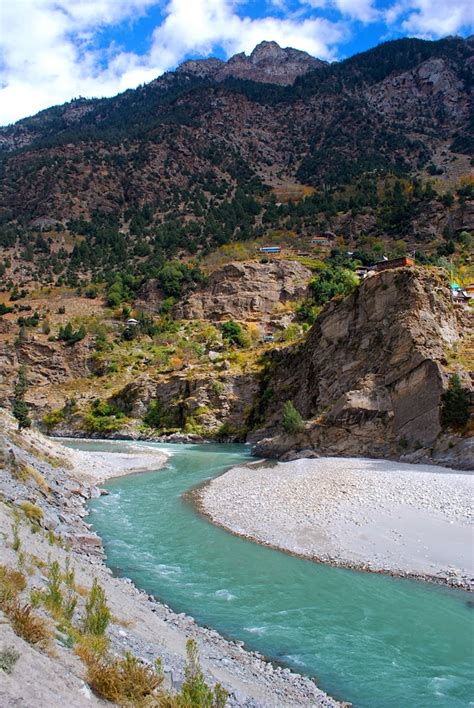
pixel 247 291
pixel 268 63
pixel 194 402
pixel 370 376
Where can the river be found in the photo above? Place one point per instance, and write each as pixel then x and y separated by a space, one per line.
pixel 369 639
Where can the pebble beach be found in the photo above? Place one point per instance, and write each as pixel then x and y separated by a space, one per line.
pixel 376 515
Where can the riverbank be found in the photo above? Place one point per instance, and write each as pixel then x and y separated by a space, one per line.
pixel 373 515
pixel 59 481
pixel 96 467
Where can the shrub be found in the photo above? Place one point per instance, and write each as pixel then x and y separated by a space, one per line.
pixel 68 335
pixel 332 281
pixel 32 512
pixel 195 692
pixel 8 658
pixel 53 598
pixel 291 421
pixel 16 542
pixel 53 418
pixel 455 404
pixel 4 310
pixel 124 681
pixel 154 415
pixel 233 333
pixel 26 624
pixel 12 582
pixel 97 612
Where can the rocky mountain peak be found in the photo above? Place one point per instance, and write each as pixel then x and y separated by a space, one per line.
pixel 267 63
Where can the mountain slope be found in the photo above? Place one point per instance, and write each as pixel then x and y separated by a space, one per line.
pixel 194 159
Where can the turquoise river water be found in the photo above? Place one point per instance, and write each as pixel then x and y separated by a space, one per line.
pixel 369 639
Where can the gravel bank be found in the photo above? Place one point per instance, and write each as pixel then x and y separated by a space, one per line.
pixel 373 515
pixel 96 467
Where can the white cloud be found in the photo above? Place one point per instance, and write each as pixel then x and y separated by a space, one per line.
pixel 363 10
pixel 48 55
pixel 438 18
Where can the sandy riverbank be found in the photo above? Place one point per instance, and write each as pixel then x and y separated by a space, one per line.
pixel 376 515
pixel 96 467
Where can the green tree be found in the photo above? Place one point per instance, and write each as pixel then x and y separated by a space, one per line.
pixel 456 402
pixel 20 411
pixel 234 333
pixel 332 281
pixel 291 419
pixel 20 408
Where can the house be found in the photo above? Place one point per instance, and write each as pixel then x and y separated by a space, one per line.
pixel 460 294
pixel 268 337
pixel 469 290
pixel 132 322
pixel 320 241
pixel 269 249
pixel 394 263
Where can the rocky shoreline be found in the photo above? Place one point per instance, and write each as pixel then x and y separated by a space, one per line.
pixel 356 519
pixel 145 626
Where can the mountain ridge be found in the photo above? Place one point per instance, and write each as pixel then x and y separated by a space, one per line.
pixel 188 163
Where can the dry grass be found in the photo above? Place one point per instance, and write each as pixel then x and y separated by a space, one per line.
pixel 33 512
pixel 124 681
pixel 26 624
pixel 12 582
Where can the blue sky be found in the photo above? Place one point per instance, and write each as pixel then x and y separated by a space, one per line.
pixel 55 50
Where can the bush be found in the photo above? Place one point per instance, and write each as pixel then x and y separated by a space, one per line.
pixel 195 692
pixel 154 416
pixel 123 681
pixel 234 333
pixel 291 421
pixel 8 658
pixel 20 412
pixel 68 335
pixel 332 281
pixel 97 612
pixel 26 624
pixel 103 418
pixel 4 310
pixel 12 582
pixel 455 404
pixel 53 418
pixel 32 512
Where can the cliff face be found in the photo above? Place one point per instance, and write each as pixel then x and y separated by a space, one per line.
pixel 370 376
pixel 247 291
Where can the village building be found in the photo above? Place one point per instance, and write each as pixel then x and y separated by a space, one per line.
pixel 269 249
pixel 402 262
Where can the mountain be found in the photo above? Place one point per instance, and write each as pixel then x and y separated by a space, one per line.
pixel 268 63
pixel 216 151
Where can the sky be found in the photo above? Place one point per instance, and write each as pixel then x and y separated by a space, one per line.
pixel 54 50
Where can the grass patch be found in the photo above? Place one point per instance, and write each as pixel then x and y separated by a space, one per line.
pixel 26 624
pixel 12 583
pixel 8 658
pixel 32 511
pixel 124 681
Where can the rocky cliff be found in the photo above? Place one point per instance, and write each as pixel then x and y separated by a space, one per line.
pixel 247 291
pixel 370 376
pixel 268 63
